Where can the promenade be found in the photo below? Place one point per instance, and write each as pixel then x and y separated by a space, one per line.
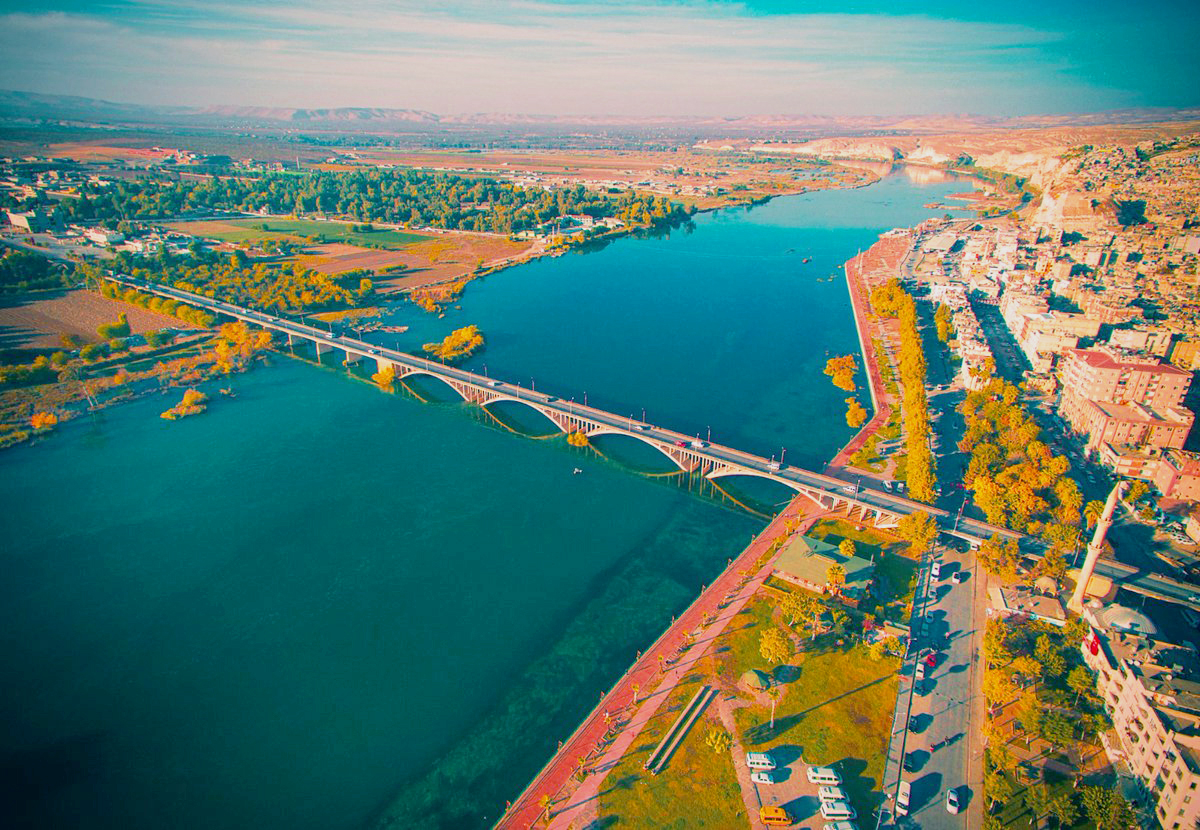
pixel 871 267
pixel 617 720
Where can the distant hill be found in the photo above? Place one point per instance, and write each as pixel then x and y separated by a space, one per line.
pixel 30 106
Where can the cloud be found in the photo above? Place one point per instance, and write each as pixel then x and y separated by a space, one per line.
pixel 585 58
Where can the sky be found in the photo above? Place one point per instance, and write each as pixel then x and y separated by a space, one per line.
pixel 620 57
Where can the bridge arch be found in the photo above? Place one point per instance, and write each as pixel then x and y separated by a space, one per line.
pixel 650 442
pixel 441 379
pixel 548 414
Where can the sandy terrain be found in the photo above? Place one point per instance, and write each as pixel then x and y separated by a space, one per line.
pixel 36 321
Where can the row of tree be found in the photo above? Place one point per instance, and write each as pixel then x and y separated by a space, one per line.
pixel 413 197
pixel 1016 479
pixel 891 300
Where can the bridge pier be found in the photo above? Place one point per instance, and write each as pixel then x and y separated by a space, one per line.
pixel 383 364
pixel 352 357
pixel 321 348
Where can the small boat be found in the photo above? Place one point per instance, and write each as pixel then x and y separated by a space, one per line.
pixel 576 471
pixel 807 259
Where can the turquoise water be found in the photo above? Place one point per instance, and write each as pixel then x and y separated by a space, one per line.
pixel 321 606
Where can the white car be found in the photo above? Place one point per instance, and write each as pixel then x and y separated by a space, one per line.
pixel 841 825
pixel 762 777
pixel 952 800
pixel 831 794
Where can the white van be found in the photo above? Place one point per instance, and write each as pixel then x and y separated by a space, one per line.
pixel 902 797
pixel 837 810
pixel 831 794
pixel 824 775
pixel 759 760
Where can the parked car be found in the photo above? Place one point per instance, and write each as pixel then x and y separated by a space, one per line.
pixel 952 804
pixel 762 777
pixel 831 794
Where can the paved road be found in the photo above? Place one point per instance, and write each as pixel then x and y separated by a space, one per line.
pixel 939 747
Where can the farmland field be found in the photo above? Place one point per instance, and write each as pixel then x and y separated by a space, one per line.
pixel 254 229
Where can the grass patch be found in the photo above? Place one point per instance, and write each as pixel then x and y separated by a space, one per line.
pixel 837 710
pixel 256 230
pixel 698 788
pixel 737 648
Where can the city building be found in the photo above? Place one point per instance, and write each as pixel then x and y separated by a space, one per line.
pixel 1178 475
pixel 1109 375
pixel 1151 689
pixel 1131 424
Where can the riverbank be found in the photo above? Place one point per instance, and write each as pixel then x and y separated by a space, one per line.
pixel 867 269
pixel 614 723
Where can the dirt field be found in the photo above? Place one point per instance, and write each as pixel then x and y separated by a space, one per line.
pixel 36 321
pixel 437 259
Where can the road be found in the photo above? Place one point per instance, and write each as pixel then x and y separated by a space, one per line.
pixel 939 746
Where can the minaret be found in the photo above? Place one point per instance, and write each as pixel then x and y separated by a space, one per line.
pixel 1094 548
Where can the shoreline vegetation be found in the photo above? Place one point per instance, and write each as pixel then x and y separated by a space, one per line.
pixel 459 344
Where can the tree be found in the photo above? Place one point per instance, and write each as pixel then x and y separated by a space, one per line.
pixel 774 646
pixel 545 801
pixel 1056 728
pixel 838 620
pixel 998 687
pixel 792 605
pixel 1037 799
pixel 941 319
pixel 1080 680
pixel 110 331
pixel 997 788
pixel 43 421
pixel 811 611
pixel 385 377
pixel 1137 491
pixel 856 415
pixel 1107 809
pixel 1092 512
pixel 841 370
pixel 1063 808
pixel 1053 565
pixel 919 529
pixel 835 578
pixel 846 548
pixel 1047 652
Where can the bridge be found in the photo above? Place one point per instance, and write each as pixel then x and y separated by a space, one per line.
pixel 690 455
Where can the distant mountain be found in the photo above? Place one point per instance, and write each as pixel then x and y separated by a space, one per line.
pixel 26 106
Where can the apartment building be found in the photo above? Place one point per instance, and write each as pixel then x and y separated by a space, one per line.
pixel 1132 424
pixel 1151 689
pixel 1178 475
pixel 1111 375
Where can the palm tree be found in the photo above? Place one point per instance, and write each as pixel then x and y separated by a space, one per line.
pixel 637 687
pixel 1092 512
pixel 545 801
pixel 773 693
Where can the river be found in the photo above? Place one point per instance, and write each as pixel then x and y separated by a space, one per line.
pixel 323 606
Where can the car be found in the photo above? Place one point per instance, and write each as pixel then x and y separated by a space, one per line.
pixel 824 775
pixel 642 427
pixel 958 577
pixel 698 444
pixel 681 443
pixel 952 805
pixel 914 723
pixel 551 399
pixel 931 660
pixel 774 465
pixel 373 351
pixel 903 794
pixel 840 825
pixel 831 794
pixel 910 762
pixel 495 383
pixel 920 671
pixel 762 777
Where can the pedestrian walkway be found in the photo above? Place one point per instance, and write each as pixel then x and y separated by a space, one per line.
pixel 604 737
